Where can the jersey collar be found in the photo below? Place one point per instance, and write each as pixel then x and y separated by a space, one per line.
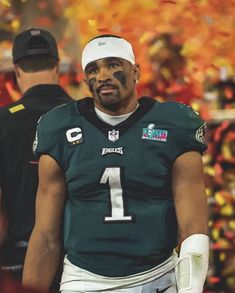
pixel 86 109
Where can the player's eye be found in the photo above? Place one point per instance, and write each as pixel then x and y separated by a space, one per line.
pixel 92 70
pixel 113 65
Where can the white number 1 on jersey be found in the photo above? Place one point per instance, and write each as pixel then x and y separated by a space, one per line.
pixel 112 175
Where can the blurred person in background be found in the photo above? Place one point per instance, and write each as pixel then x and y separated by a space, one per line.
pixel 7 283
pixel 36 61
pixel 121 182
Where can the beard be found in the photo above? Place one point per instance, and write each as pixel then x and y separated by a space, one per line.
pixel 110 102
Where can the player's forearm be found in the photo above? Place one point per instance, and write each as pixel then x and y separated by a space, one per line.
pixel 41 261
pixel 198 226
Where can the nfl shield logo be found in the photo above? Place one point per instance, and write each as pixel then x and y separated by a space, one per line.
pixel 113 135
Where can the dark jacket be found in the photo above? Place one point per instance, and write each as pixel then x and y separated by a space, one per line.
pixel 18 166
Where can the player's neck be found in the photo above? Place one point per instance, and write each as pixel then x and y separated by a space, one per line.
pixel 125 107
pixel 113 119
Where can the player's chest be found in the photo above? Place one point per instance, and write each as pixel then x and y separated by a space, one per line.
pixel 141 148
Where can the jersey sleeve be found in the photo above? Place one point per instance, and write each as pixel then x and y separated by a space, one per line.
pixel 47 139
pixel 189 131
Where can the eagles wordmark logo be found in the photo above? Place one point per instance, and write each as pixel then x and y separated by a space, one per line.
pixel 150 133
pixel 106 151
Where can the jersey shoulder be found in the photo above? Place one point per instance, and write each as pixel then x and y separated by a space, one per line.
pixel 179 114
pixel 57 128
pixel 58 116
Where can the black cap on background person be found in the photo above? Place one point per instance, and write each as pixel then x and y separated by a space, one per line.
pixel 34 41
pixel 35 58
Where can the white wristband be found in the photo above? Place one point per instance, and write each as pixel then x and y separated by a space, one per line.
pixel 192 265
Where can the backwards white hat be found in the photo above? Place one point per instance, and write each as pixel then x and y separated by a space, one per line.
pixel 107 46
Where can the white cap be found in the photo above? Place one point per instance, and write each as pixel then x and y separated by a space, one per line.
pixel 107 46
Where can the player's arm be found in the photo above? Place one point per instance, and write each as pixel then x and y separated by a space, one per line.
pixel 192 216
pixel 45 243
pixel 189 195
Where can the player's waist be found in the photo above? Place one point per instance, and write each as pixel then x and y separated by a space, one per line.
pixel 76 277
pixel 125 263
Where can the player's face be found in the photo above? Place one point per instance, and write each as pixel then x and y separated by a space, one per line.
pixel 112 83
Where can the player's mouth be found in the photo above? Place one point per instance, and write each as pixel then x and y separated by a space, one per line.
pixel 107 89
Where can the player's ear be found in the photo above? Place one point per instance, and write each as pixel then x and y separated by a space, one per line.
pixel 17 70
pixel 136 73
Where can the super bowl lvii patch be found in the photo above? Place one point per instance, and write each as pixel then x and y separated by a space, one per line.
pixel 151 133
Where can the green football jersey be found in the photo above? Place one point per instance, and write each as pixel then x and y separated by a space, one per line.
pixel 119 217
